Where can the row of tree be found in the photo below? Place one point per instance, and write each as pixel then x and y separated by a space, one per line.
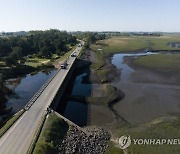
pixel 43 43
pixel 89 37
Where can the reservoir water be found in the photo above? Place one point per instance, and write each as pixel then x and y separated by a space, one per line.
pixel 24 88
pixel 75 111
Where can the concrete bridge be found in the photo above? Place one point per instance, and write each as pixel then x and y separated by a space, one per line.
pixel 19 137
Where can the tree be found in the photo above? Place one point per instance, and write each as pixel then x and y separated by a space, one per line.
pixel 10 61
pixel 16 53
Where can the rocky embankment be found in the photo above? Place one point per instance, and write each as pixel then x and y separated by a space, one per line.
pixel 92 140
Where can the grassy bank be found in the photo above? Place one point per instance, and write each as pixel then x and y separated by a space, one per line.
pixel 164 63
pixel 51 135
pixel 63 57
pixel 168 128
pixel 107 47
pixel 110 95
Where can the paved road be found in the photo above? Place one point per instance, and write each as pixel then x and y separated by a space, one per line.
pixel 18 138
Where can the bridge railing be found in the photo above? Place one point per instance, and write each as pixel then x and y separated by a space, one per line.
pixel 39 92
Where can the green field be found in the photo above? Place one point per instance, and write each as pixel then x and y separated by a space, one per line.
pixel 134 43
pixel 51 135
pixel 35 62
pixel 162 128
pixel 104 48
pixel 165 63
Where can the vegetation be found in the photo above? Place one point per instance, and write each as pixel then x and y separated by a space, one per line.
pixel 134 43
pixel 23 53
pixel 105 48
pixel 112 149
pixel 3 92
pixel 43 43
pixel 66 55
pixel 51 135
pixel 158 129
pixel 110 95
pixel 166 63
pixel 163 63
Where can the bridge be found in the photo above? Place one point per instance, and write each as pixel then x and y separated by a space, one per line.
pixel 18 138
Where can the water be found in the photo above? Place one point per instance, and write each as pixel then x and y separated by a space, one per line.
pixel 118 61
pixel 174 45
pixel 26 88
pixel 148 95
pixel 83 114
pixel 79 88
pixel 75 111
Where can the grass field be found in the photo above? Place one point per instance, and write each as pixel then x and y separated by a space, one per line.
pixel 104 48
pixel 168 128
pixel 165 63
pixel 51 135
pixel 134 43
pixel 35 62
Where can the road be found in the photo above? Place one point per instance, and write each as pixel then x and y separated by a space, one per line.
pixel 18 138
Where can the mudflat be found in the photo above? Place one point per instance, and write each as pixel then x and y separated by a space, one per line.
pixel 148 95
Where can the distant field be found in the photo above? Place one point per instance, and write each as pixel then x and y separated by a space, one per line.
pixel 134 43
pixel 161 62
pixel 119 44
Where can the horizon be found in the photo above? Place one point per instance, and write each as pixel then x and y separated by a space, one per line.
pixel 89 31
pixel 93 16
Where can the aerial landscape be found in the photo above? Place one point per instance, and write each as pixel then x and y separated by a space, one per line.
pixel 90 77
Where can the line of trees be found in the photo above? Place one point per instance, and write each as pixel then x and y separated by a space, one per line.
pixel 42 43
pixel 89 37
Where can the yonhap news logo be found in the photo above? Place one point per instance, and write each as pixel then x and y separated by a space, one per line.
pixel 125 141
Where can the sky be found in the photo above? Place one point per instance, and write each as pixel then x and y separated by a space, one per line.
pixel 90 15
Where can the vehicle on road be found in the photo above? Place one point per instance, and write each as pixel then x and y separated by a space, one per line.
pixel 79 45
pixel 73 55
pixel 64 64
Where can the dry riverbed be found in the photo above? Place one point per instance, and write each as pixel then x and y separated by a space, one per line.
pixel 148 94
